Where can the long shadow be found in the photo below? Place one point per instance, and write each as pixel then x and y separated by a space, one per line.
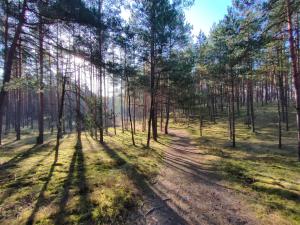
pixel 77 166
pixel 59 217
pixel 202 174
pixel 140 182
pixel 84 201
pixel 193 165
pixel 41 197
pixel 22 156
pixel 283 193
pixel 183 150
pixel 197 174
pixel 12 142
pixel 21 182
pixel 11 163
pixel 205 215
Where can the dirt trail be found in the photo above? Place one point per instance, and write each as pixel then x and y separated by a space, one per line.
pixel 188 190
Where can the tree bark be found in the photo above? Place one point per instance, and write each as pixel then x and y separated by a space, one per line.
pixel 40 138
pixel 101 76
pixel 60 113
pixel 10 55
pixel 129 111
pixel 152 82
pixel 19 95
pixel 78 114
pixel 232 111
pixel 294 68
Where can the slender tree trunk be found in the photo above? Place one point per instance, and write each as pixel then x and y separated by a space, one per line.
pixel 295 71
pixel 229 114
pixel 60 113
pixel 113 98
pixel 53 109
pixel 9 56
pixel 201 125
pixel 251 99
pixel 113 107
pixel 105 103
pixel 19 96
pixel 101 108
pixel 161 114
pixel 134 111
pixel 152 82
pixel 101 76
pixel 232 111
pixel 167 114
pixel 5 38
pixel 144 111
pixel 221 98
pixel 122 102
pixel 298 39
pixel 238 98
pixel 279 121
pixel 129 110
pixel 40 138
pixel 286 101
pixel 78 113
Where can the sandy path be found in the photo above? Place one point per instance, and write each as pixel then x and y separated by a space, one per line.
pixel 188 190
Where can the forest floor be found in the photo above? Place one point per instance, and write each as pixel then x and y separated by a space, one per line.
pixel 205 174
pixel 95 184
pixel 190 191
pixel 206 181
pixel 182 179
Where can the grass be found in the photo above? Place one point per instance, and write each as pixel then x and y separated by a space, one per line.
pixel 103 184
pixel 95 184
pixel 269 176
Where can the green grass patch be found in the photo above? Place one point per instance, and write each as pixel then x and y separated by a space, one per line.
pixel 269 176
pixel 95 184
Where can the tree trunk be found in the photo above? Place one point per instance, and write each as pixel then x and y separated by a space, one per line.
pixel 101 74
pixel 10 55
pixel 294 68
pixel 279 120
pixel 152 82
pixel 122 102
pixel 19 95
pixel 144 111
pixel 251 99
pixel 167 114
pixel 60 113
pixel 113 98
pixel 40 138
pixel 129 111
pixel 134 111
pixel 78 114
pixel 232 111
pixel 201 125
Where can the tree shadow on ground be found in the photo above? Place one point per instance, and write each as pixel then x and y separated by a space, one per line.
pixel 41 198
pixel 22 156
pixel 76 176
pixel 20 182
pixel 12 143
pixel 139 180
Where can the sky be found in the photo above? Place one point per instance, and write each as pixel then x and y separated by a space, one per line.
pixel 204 13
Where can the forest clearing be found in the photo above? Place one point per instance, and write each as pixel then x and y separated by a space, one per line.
pixel 126 112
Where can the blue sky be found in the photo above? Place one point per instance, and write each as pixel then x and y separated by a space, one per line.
pixel 204 13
